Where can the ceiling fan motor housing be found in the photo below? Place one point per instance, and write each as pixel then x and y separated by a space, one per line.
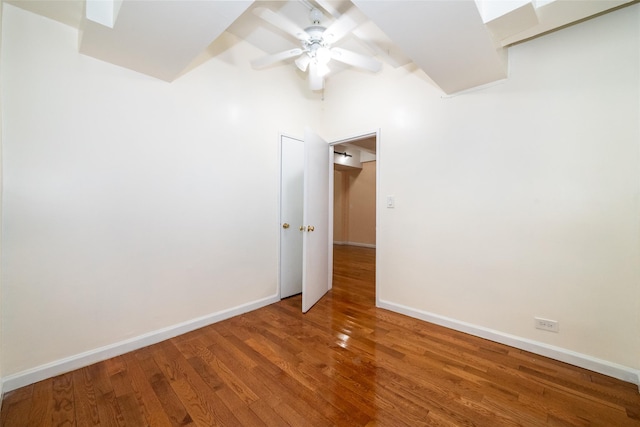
pixel 316 41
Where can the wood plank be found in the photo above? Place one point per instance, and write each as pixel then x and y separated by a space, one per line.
pixel 106 401
pixel 266 414
pixel 42 403
pixel 191 389
pixel 63 401
pixel 85 398
pixel 16 413
pixel 170 402
pixel 15 396
pixel 150 405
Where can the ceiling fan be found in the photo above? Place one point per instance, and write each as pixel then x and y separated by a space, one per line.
pixel 315 51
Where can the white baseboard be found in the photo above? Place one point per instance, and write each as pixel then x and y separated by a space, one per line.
pixel 362 245
pixel 90 357
pixel 601 366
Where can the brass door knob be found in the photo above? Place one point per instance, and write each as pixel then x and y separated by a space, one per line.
pixel 285 225
pixel 303 228
pixel 310 228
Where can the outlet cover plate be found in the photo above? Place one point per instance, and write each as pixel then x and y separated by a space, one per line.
pixel 546 324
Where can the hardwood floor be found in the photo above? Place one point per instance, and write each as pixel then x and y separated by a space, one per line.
pixel 343 363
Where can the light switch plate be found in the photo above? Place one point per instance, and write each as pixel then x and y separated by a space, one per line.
pixel 391 202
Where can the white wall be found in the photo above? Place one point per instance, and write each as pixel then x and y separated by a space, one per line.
pixel 131 204
pixel 516 200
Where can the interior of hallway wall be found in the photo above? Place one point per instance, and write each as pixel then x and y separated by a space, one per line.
pixel 515 200
pixel 1 348
pixel 340 217
pixel 354 211
pixel 132 204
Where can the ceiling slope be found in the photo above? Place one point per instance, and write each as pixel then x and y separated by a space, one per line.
pixel 159 38
pixel 446 39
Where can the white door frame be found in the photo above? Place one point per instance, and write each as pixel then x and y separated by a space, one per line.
pixel 356 137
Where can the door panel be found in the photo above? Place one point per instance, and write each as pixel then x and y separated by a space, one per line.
pixel 291 191
pixel 315 253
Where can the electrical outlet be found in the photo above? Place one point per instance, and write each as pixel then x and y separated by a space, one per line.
pixel 547 325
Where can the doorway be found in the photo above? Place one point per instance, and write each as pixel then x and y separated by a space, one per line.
pixel 350 209
pixel 355 196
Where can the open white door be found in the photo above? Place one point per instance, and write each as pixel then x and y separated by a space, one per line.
pixel 315 252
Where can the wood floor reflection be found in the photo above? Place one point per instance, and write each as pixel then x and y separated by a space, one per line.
pixel 344 363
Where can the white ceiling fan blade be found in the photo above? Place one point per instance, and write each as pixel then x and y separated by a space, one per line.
pixel 356 60
pixel 281 22
pixel 265 61
pixel 316 82
pixel 338 29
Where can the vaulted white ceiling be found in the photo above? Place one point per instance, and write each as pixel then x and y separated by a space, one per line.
pixel 459 44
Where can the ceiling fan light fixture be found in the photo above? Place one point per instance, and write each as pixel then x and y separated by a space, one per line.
pixel 303 62
pixel 323 55
pixel 322 69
